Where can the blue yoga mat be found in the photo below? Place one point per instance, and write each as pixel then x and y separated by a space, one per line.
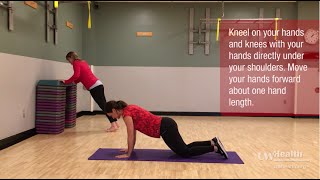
pixel 164 155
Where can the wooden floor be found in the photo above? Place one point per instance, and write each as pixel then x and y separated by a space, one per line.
pixel 65 155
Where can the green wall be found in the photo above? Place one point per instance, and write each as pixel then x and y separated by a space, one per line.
pixel 112 40
pixel 89 36
pixel 114 43
pixel 308 10
pixel 28 37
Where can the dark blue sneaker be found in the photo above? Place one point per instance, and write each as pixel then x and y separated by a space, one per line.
pixel 220 146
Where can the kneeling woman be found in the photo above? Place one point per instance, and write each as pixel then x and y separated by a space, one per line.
pixel 137 118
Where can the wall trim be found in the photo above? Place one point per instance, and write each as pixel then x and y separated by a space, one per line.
pixel 12 140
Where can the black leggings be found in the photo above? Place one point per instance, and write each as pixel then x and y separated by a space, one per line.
pixel 97 94
pixel 171 136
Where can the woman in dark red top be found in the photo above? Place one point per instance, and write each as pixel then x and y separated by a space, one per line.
pixel 137 118
pixel 83 74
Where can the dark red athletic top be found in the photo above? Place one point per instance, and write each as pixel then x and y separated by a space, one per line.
pixel 82 73
pixel 143 121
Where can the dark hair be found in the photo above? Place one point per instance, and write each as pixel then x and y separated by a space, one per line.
pixel 118 105
pixel 72 55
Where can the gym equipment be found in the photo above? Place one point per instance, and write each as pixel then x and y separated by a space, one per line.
pixel 55 106
pixel 164 155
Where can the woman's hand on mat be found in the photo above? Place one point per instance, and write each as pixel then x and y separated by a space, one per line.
pixel 124 150
pixel 123 156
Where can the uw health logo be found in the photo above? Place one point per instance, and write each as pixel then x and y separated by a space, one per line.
pixel 277 155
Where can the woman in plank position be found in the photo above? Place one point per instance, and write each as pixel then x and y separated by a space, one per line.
pixel 82 73
pixel 137 118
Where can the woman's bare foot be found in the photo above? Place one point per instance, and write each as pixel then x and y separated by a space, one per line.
pixel 117 125
pixel 112 129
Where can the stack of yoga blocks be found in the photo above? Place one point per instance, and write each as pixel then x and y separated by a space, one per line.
pixel 55 106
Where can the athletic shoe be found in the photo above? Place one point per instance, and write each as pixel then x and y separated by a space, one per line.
pixel 220 146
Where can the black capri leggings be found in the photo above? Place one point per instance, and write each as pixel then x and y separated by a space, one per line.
pixel 97 94
pixel 171 136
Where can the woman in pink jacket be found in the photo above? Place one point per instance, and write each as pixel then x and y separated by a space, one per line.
pixel 83 74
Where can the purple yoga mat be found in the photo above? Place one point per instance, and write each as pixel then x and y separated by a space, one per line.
pixel 50 127
pixel 164 155
pixel 71 116
pixel 52 109
pixel 53 98
pixel 70 122
pixel 48 91
pixel 48 104
pixel 70 119
pixel 50 118
pixel 71 113
pixel 49 121
pixel 45 93
pixel 51 106
pixel 71 95
pixel 50 124
pixel 49 132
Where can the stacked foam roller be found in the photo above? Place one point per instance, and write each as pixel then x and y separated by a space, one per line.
pixel 50 107
pixel 71 107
